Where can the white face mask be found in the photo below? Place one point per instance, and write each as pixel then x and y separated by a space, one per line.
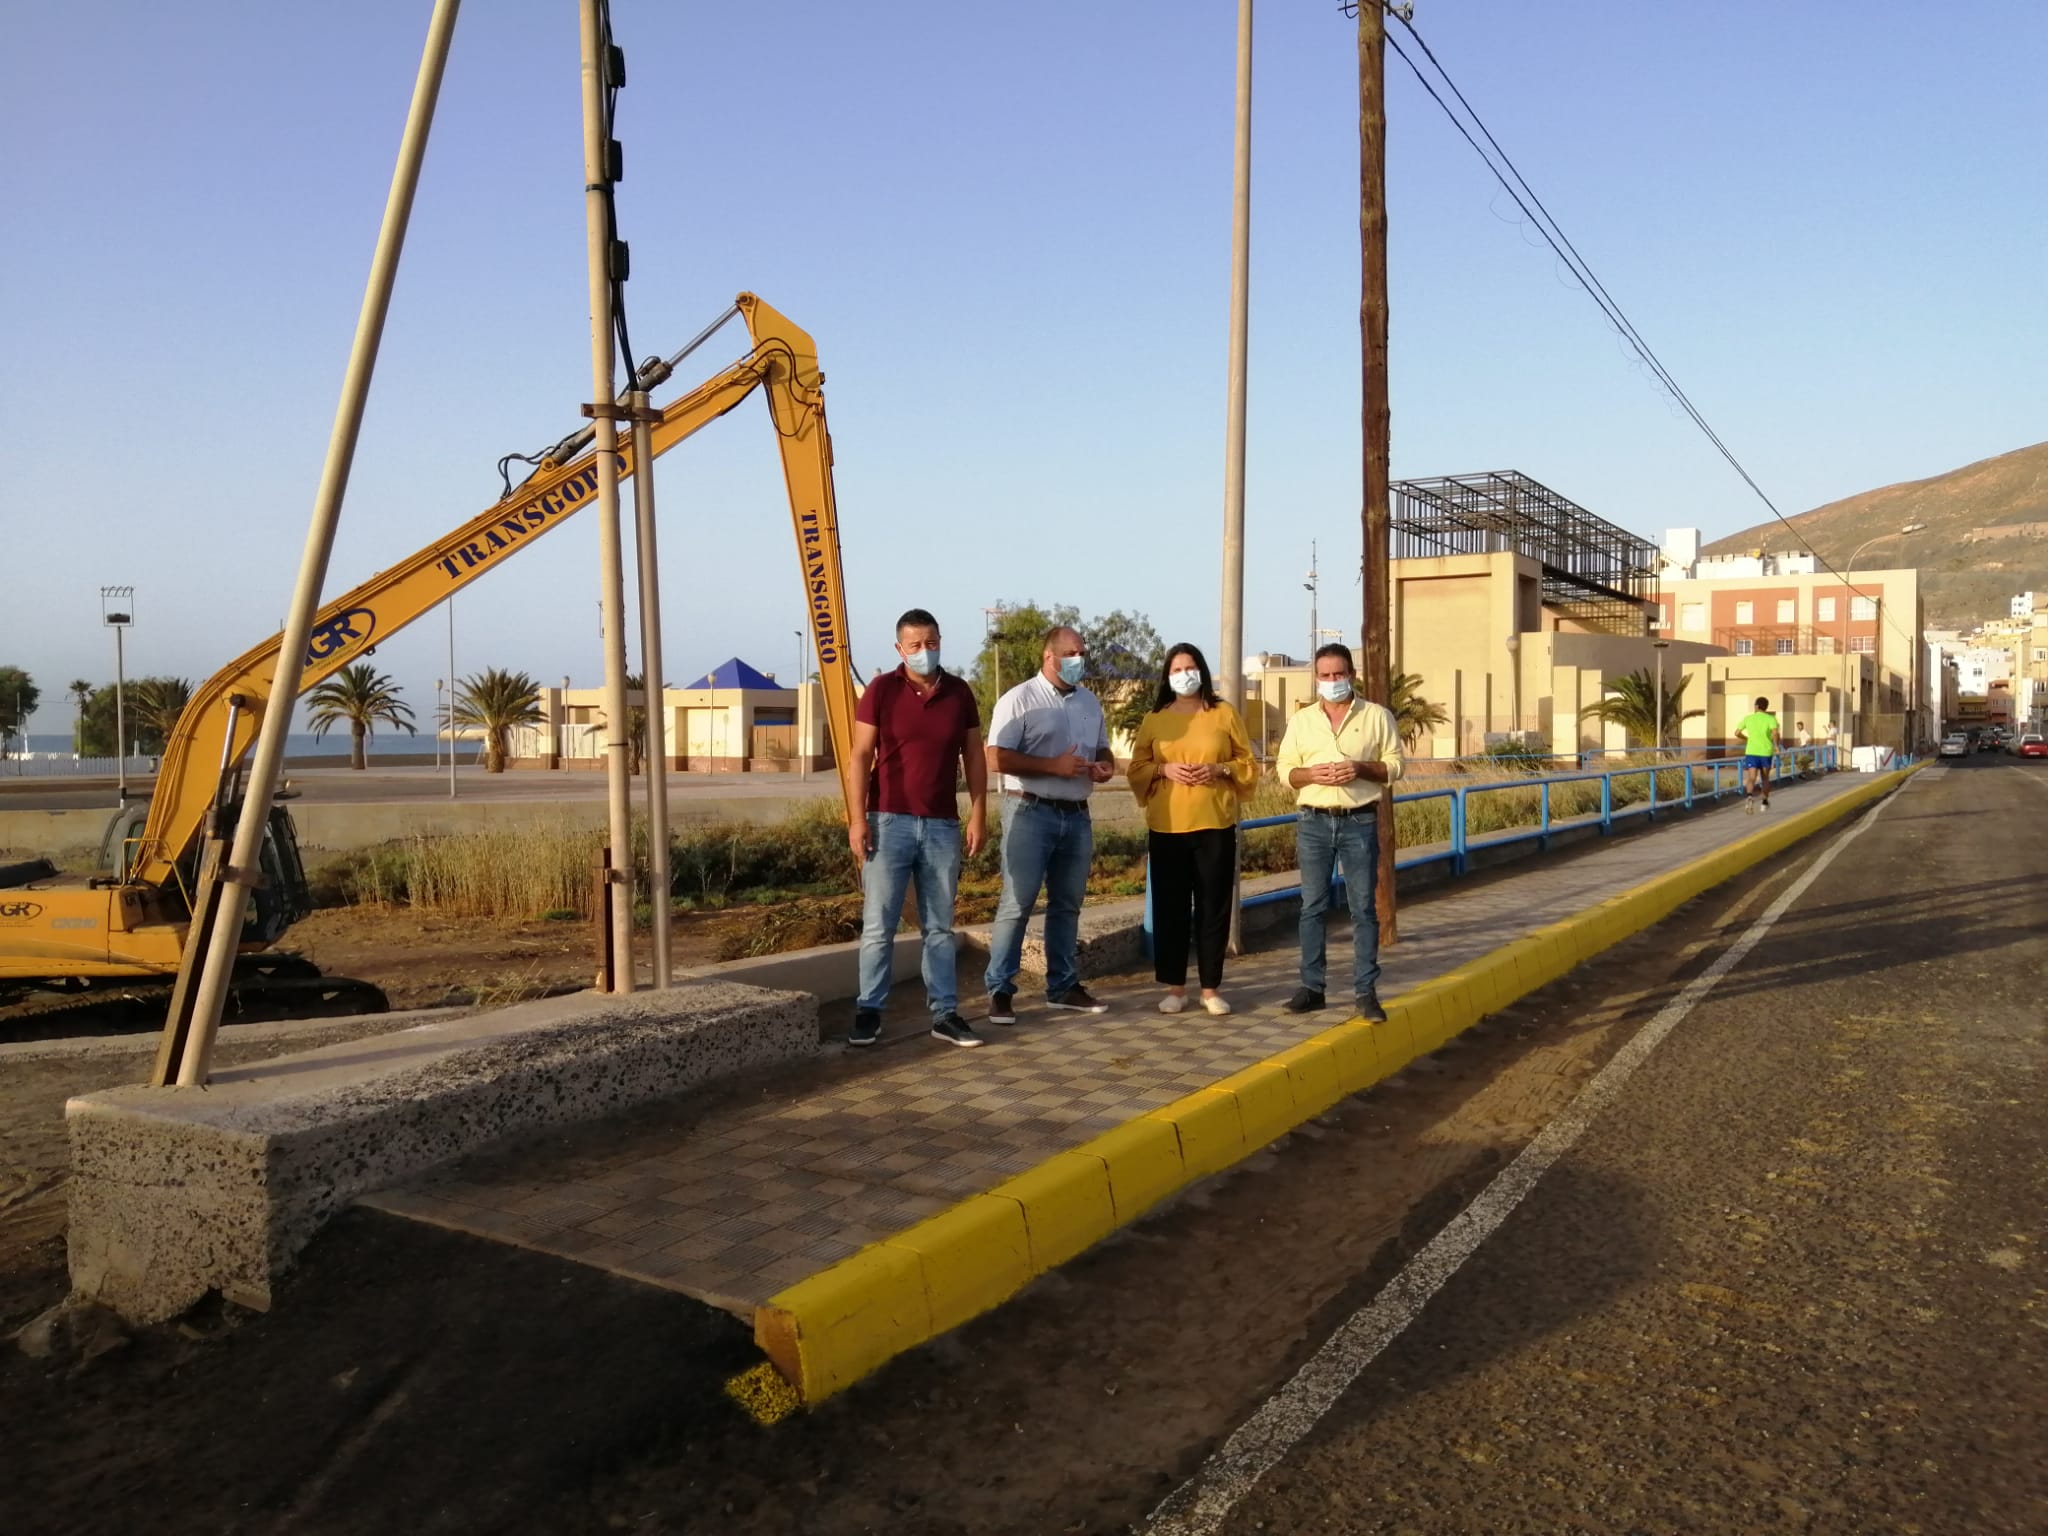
pixel 1184 683
pixel 1335 690
pixel 923 663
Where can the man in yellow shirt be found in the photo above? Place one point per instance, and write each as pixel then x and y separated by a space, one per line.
pixel 1338 756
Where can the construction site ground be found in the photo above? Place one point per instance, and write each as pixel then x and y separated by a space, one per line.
pixel 438 1381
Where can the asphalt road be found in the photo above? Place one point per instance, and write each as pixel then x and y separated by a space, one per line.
pixel 1795 1276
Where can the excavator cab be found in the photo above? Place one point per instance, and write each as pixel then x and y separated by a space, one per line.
pixel 279 901
pixel 282 899
pixel 117 843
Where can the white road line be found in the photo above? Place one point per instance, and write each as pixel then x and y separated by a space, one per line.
pixel 1200 1505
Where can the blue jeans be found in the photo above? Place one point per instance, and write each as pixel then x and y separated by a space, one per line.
pixel 902 849
pixel 1323 844
pixel 1050 849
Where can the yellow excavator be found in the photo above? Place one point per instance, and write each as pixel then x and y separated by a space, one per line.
pixel 129 922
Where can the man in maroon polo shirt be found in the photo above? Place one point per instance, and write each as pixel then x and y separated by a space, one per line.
pixel 913 730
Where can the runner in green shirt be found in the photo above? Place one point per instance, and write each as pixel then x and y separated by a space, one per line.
pixel 1758 733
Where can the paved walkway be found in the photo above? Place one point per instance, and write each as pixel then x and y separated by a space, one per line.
pixel 732 1202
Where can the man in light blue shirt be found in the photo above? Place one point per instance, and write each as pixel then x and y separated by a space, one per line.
pixel 1049 744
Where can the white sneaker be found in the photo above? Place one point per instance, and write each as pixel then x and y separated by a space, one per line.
pixel 1173 1002
pixel 1216 1005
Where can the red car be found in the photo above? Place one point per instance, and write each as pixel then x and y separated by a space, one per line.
pixel 2033 746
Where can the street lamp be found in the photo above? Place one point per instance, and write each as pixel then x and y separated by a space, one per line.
pixel 1848 600
pixel 1660 647
pixel 992 628
pixel 803 746
pixel 117 612
pixel 1514 644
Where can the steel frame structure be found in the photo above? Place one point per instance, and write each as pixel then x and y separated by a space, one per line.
pixel 1593 572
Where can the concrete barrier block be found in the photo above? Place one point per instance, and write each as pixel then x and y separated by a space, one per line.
pixel 1067 1206
pixel 1209 1127
pixel 825 1333
pixel 1265 1099
pixel 973 1256
pixel 1144 1162
pixel 177 1191
pixel 1313 1076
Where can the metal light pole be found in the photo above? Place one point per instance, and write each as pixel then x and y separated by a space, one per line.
pixel 803 691
pixel 652 673
pixel 1231 678
pixel 1514 644
pixel 1660 646
pixel 440 723
pixel 1315 633
pixel 602 254
pixel 451 696
pixel 117 612
pixel 244 866
pixel 1849 598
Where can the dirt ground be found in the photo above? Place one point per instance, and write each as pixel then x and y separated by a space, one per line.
pixel 420 1380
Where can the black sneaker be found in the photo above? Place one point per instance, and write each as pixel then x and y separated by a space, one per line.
pixel 955 1030
pixel 1002 1008
pixel 1369 1008
pixel 1305 1000
pixel 867 1027
pixel 1077 1000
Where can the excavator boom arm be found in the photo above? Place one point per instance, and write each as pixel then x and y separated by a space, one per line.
pixel 218 727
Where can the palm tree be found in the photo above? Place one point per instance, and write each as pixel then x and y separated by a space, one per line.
pixel 362 696
pixel 494 701
pixel 1631 702
pixel 154 704
pixel 80 690
pixel 1413 714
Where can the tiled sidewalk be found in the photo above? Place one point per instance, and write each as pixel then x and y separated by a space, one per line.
pixel 732 1202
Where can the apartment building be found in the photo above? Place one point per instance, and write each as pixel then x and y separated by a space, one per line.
pixel 1859 634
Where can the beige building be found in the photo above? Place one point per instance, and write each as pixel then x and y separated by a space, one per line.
pixel 1503 663
pixel 1860 638
pixel 732 720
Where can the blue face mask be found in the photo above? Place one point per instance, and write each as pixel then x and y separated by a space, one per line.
pixel 1071 668
pixel 923 663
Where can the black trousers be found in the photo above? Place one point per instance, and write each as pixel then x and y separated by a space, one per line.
pixel 1191 875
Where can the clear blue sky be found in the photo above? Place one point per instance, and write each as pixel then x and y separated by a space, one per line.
pixel 1008 227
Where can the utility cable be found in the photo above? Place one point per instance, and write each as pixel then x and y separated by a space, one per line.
pixel 1582 272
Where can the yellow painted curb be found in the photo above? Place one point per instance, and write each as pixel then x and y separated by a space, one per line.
pixel 828 1331
pixel 971 1257
pixel 1067 1206
pixel 1312 1074
pixel 1210 1129
pixel 1265 1101
pixel 1144 1163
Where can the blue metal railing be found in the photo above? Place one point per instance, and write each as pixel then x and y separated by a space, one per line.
pixel 1706 778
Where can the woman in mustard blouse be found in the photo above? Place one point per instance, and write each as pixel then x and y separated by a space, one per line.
pixel 1191 769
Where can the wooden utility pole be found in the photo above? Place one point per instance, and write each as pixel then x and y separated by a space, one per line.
pixel 1376 669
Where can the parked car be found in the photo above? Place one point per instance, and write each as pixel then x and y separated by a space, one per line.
pixel 2033 746
pixel 1956 745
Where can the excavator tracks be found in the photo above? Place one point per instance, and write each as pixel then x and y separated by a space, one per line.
pixel 265 987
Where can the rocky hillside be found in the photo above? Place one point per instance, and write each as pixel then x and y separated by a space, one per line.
pixel 1986 535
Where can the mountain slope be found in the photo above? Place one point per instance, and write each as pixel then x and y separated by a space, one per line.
pixel 1986 535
